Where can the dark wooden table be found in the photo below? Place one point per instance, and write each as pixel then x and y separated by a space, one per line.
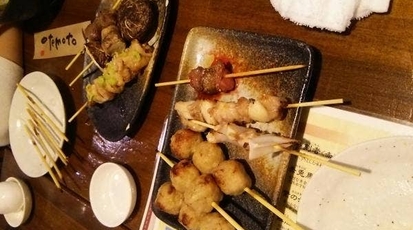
pixel 371 65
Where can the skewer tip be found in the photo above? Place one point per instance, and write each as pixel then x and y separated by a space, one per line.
pixel 78 112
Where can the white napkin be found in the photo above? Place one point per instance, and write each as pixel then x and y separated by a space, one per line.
pixel 334 15
pixel 10 75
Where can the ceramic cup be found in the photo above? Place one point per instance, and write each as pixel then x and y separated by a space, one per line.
pixel 11 197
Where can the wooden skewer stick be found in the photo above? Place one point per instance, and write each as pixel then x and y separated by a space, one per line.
pixel 240 74
pixel 41 141
pixel 81 73
pixel 166 159
pixel 48 121
pixel 39 121
pixel 322 161
pixel 93 58
pixel 39 111
pixel 46 165
pixel 264 71
pixel 226 216
pixel 78 112
pixel 316 103
pixel 281 215
pixel 74 59
pixel 53 142
pixel 215 205
pixel 209 126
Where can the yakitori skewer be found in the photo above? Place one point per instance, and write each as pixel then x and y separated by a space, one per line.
pixel 114 7
pixel 233 180
pixel 322 160
pixel 134 59
pixel 260 110
pixel 39 153
pixel 240 74
pixel 40 112
pixel 48 136
pixel 213 204
pixel 249 191
pixel 86 50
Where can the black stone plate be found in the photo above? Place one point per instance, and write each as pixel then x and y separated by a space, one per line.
pixel 116 118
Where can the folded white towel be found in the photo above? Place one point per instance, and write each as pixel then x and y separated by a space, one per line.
pixel 334 15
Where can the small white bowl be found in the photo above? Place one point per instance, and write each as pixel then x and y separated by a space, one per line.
pixel 112 194
pixel 15 219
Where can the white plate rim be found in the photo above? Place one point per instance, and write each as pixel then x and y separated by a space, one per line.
pixel 43 87
pixel 314 198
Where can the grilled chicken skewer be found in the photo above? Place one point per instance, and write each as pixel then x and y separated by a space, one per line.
pixel 218 78
pixel 264 109
pixel 200 195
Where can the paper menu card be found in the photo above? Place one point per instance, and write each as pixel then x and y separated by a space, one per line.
pixel 59 42
pixel 327 131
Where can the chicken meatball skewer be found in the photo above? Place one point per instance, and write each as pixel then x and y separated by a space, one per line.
pixel 205 155
pixel 230 175
pixel 201 193
pixel 233 180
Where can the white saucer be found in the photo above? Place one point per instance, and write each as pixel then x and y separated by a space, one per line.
pixel 15 219
pixel 42 87
pixel 112 194
pixel 379 199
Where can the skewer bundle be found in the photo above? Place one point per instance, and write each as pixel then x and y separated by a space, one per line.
pixel 45 135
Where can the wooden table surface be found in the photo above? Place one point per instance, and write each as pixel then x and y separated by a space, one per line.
pixel 370 65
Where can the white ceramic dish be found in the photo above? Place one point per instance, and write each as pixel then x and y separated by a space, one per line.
pixel 112 194
pixel 379 199
pixel 15 219
pixel 43 88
